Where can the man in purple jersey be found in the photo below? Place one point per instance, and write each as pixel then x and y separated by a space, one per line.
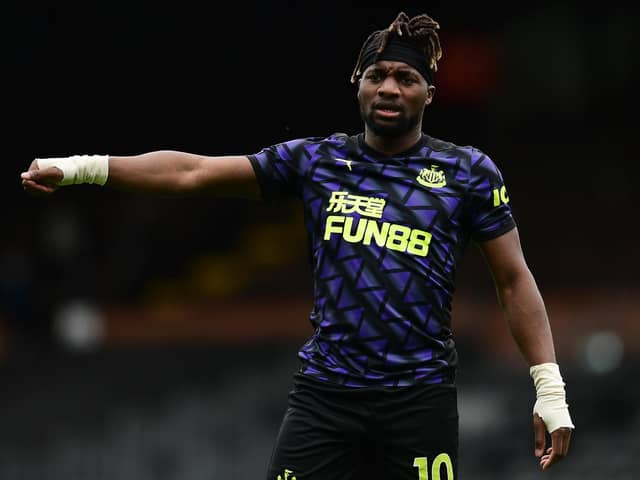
pixel 388 213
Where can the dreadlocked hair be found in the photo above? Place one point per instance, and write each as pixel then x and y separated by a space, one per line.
pixel 421 30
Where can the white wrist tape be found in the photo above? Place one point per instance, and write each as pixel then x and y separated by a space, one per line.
pixel 79 168
pixel 551 403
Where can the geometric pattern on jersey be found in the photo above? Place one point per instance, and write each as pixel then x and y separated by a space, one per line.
pixel 385 235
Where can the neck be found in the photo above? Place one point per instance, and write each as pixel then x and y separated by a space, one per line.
pixel 392 145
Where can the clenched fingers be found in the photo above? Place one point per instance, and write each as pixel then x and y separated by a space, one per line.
pixel 560 440
pixel 37 189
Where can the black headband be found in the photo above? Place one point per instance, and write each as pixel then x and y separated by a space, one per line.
pixel 399 50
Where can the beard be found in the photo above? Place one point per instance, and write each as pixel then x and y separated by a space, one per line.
pixel 401 126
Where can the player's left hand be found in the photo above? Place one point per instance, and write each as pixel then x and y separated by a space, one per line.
pixel 560 439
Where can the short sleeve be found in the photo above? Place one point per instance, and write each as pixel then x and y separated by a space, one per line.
pixel 280 168
pixel 490 213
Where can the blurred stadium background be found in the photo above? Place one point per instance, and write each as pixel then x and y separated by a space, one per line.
pixel 155 338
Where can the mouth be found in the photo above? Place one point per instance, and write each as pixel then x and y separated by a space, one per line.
pixel 387 110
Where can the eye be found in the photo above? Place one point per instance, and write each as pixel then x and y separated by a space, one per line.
pixel 408 79
pixel 373 76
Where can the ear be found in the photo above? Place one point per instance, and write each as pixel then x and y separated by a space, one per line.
pixel 431 91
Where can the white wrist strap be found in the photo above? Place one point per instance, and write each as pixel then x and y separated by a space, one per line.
pixel 79 168
pixel 551 403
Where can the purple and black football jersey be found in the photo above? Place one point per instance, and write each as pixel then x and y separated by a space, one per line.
pixel 385 236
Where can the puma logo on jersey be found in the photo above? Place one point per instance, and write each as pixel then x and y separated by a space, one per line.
pixel 347 162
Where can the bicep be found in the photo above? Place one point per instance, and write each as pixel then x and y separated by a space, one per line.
pixel 226 175
pixel 504 257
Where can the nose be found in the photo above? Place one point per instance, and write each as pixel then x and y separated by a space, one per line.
pixel 389 87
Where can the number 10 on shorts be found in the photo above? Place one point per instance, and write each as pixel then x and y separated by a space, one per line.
pixel 422 464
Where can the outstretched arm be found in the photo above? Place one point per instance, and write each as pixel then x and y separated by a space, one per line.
pixel 163 171
pixel 526 313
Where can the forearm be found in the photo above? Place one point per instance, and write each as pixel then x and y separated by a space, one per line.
pixel 163 171
pixel 525 311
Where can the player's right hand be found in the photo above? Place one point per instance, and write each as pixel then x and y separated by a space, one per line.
pixel 39 182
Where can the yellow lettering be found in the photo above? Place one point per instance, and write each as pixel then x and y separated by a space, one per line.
pixel 421 464
pixel 392 236
pixel 398 237
pixel 348 224
pixel 441 459
pixel 379 231
pixel 503 195
pixel 419 243
pixel 496 197
pixel 500 196
pixel 330 228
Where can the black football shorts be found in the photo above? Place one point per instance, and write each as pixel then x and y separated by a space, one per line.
pixel 331 432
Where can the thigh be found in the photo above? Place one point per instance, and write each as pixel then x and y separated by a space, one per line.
pixel 319 439
pixel 417 436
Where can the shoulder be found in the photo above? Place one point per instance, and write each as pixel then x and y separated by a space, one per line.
pixel 315 142
pixel 333 139
pixel 336 140
pixel 469 152
pixel 470 156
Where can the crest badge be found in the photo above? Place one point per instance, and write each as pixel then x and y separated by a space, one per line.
pixel 432 177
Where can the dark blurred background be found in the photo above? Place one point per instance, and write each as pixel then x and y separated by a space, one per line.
pixel 155 337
